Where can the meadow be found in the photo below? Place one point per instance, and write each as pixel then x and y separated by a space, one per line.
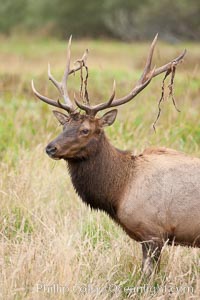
pixel 51 245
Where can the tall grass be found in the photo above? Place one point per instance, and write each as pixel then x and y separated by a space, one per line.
pixel 51 245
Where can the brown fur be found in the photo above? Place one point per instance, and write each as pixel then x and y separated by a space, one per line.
pixel 160 151
pixel 154 197
pixel 144 194
pixel 93 178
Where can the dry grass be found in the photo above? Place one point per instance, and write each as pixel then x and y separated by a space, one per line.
pixel 52 246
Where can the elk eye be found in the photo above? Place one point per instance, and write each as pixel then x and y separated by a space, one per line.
pixel 85 131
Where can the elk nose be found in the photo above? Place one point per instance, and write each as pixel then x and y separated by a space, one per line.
pixel 51 149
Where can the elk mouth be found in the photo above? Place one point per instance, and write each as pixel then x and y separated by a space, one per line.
pixel 52 151
pixel 54 157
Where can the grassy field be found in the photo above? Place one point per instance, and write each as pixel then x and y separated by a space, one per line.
pixel 51 245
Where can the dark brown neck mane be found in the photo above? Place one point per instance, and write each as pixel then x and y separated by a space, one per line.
pixel 100 180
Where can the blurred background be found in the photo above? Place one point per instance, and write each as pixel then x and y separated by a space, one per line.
pixel 47 235
pixel 124 20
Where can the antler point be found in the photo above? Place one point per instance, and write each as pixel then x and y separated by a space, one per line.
pixel 32 85
pixel 49 70
pixel 70 41
pixel 114 85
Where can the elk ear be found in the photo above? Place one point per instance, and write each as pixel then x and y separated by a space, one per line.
pixel 62 118
pixel 108 118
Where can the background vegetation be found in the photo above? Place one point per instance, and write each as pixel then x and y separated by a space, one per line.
pixel 47 235
pixel 126 20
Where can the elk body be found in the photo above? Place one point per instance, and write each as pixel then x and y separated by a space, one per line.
pixel 154 197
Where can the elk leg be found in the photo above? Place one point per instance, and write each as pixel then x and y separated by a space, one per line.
pixel 151 257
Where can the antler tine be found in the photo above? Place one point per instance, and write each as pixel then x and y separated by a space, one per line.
pixel 53 80
pixel 168 66
pixel 81 61
pixel 65 76
pixel 85 55
pixel 144 80
pixel 92 110
pixel 62 86
pixel 84 107
pixel 147 67
pixel 48 100
pixel 113 94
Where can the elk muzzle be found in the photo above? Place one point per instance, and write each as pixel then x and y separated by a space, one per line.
pixel 51 150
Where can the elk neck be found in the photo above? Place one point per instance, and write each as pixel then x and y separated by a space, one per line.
pixel 101 179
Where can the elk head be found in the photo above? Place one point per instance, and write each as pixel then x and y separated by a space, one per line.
pixel 80 137
pixel 82 132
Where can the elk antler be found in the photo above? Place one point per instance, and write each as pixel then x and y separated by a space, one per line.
pixel 144 80
pixel 62 86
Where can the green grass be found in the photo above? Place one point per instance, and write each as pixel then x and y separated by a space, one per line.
pixel 47 234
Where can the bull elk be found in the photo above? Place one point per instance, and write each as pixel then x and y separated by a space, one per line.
pixel 154 196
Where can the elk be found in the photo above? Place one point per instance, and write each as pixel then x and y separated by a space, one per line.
pixel 154 196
